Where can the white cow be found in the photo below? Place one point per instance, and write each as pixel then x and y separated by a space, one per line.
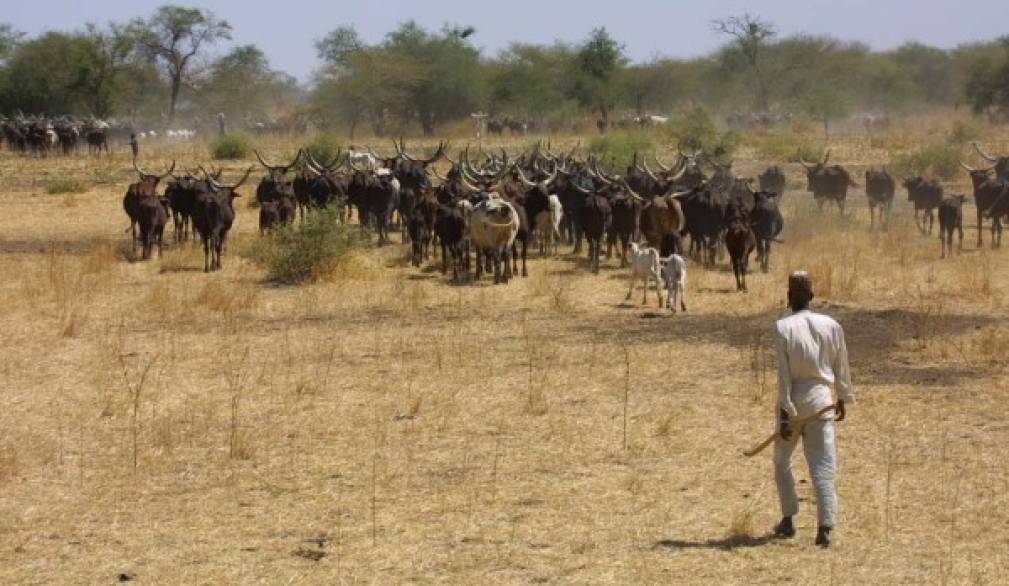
pixel 548 226
pixel 675 276
pixel 493 228
pixel 645 263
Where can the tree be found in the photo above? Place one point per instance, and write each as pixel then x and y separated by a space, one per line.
pixel 526 79
pixel 112 47
pixel 594 79
pixel 242 84
pixel 338 48
pixel 987 85
pixel 750 36
pixel 827 106
pixel 413 75
pixel 9 39
pixel 174 36
pixel 63 73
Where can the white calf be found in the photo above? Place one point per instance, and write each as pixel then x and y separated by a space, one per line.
pixel 548 226
pixel 675 276
pixel 645 264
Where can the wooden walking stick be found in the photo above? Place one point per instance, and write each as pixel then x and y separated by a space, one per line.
pixel 793 425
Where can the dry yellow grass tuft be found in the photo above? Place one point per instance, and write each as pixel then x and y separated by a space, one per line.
pixel 382 424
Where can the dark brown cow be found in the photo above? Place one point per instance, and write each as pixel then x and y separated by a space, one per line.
pixel 879 191
pixel 926 194
pixel 136 192
pixel 950 219
pixel 740 242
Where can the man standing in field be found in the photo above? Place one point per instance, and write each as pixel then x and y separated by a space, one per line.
pixel 812 357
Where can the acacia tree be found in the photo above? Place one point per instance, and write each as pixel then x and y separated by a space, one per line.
pixel 174 36
pixel 750 36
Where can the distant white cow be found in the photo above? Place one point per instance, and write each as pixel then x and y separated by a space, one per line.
pixel 645 263
pixel 363 159
pixel 675 275
pixel 548 226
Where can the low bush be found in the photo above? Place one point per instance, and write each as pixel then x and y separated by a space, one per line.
pixel 307 251
pixel 65 186
pixel 231 146
pixel 617 148
pixel 324 148
pixel 937 160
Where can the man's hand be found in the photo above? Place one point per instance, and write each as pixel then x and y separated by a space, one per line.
pixel 840 411
pixel 783 429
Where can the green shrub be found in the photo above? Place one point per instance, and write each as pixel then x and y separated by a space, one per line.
pixel 306 251
pixel 617 149
pixel 785 144
pixel 324 148
pixel 65 186
pixel 696 129
pixel 937 159
pixel 231 146
pixel 965 131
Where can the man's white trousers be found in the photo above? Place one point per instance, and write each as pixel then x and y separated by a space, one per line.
pixel 818 446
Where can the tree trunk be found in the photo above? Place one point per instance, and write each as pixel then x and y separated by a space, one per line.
pixel 176 86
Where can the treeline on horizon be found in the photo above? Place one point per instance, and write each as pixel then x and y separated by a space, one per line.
pixel 163 70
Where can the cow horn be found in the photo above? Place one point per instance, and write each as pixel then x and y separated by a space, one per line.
pixel 680 194
pixel 649 171
pixel 438 175
pixel 679 175
pixel 312 165
pixel 805 164
pixel 140 171
pixel 242 180
pixel 662 167
pixel 467 184
pixel 336 162
pixel 984 155
pixel 630 191
pixel 523 178
pixel 601 176
pixel 580 189
pixel 965 166
pixel 263 161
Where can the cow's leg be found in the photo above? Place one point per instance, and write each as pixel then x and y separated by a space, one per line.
pixel 206 255
pixel 634 277
pixel 658 286
pixel 525 273
pixel 683 295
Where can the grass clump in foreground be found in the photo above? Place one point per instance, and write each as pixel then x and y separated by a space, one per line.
pixel 65 186
pixel 305 252
pixel 231 146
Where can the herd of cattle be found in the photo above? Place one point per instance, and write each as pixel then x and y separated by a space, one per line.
pixel 497 206
pixel 65 135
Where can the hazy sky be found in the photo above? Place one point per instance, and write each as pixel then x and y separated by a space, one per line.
pixel 649 28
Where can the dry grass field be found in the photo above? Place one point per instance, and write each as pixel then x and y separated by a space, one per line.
pixel 385 426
